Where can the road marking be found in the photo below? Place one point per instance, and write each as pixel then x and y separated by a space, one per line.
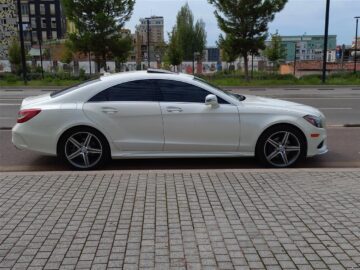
pixel 6 117
pixel 10 104
pixel 335 108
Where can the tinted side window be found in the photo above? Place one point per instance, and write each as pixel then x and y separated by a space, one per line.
pixel 174 91
pixel 142 90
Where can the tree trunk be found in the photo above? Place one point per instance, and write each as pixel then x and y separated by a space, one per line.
pixel 104 61
pixel 246 66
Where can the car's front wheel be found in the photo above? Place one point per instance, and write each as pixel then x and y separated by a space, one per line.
pixel 281 146
pixel 83 148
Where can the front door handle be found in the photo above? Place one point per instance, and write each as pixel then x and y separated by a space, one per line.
pixel 174 109
pixel 109 110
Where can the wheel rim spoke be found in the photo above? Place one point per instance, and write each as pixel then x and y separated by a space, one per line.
pixel 86 159
pixel 87 140
pixel 272 142
pixel 286 138
pixel 75 142
pixel 75 154
pixel 284 158
pixel 94 151
pixel 272 155
pixel 292 148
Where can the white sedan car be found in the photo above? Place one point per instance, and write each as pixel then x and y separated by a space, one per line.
pixel 158 114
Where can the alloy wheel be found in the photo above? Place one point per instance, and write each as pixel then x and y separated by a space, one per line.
pixel 282 149
pixel 83 150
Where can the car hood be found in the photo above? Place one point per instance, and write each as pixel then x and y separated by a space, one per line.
pixel 281 104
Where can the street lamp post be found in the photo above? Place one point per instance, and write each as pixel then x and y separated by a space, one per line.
pixel 21 34
pixel 356 41
pixel 148 41
pixel 326 40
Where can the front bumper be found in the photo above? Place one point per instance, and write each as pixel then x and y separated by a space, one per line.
pixel 317 145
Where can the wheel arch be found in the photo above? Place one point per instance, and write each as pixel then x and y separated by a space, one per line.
pixel 279 125
pixel 68 130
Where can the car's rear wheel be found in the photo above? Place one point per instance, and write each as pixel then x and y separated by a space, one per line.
pixel 84 149
pixel 281 146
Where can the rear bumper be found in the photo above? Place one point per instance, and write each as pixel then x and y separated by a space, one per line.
pixel 26 138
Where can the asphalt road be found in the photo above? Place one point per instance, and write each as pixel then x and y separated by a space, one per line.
pixel 341 106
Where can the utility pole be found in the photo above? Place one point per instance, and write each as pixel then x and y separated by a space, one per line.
pixel 295 59
pixel 327 14
pixel 90 61
pixel 356 41
pixel 148 41
pixel 41 58
pixel 21 34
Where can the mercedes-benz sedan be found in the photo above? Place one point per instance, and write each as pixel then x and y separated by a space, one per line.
pixel 158 114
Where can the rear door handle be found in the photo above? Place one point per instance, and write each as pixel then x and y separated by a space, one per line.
pixel 174 109
pixel 109 110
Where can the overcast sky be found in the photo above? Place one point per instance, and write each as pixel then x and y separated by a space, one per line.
pixel 298 17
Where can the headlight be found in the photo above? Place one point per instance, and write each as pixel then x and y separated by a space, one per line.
pixel 314 120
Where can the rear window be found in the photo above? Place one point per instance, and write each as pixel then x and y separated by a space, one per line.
pixel 73 87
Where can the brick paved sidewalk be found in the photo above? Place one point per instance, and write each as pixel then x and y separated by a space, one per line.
pixel 275 219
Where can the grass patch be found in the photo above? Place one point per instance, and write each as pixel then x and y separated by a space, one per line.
pixel 266 79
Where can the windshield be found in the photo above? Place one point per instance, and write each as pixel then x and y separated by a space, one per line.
pixel 73 87
pixel 237 96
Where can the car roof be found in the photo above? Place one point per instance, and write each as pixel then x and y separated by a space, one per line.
pixel 145 74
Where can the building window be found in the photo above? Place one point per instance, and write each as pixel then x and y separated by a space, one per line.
pixel 5 8
pixel 43 23
pixel 53 22
pixel 44 35
pixel 34 36
pixel 52 9
pixel 24 9
pixel 33 23
pixel 42 9
pixel 32 9
pixel 54 34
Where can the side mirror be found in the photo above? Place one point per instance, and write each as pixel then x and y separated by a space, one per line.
pixel 211 100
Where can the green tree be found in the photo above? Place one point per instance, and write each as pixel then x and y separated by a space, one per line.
pixel 226 46
pixel 276 51
pixel 98 24
pixel 67 54
pixel 191 37
pixel 174 54
pixel 246 21
pixel 123 50
pixel 15 56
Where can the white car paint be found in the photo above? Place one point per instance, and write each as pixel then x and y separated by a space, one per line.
pixel 163 129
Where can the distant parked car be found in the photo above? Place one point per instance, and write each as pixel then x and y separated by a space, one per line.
pixel 155 113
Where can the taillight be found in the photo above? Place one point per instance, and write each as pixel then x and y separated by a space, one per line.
pixel 26 115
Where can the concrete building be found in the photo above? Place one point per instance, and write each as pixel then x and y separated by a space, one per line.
pixel 308 47
pixel 42 20
pixel 212 54
pixel 155 26
pixel 47 20
pixel 8 26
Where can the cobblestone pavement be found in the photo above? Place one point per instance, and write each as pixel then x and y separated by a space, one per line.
pixel 274 219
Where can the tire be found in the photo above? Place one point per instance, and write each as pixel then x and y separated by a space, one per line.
pixel 83 148
pixel 281 146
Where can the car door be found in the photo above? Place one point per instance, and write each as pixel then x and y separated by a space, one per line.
pixel 192 126
pixel 130 113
